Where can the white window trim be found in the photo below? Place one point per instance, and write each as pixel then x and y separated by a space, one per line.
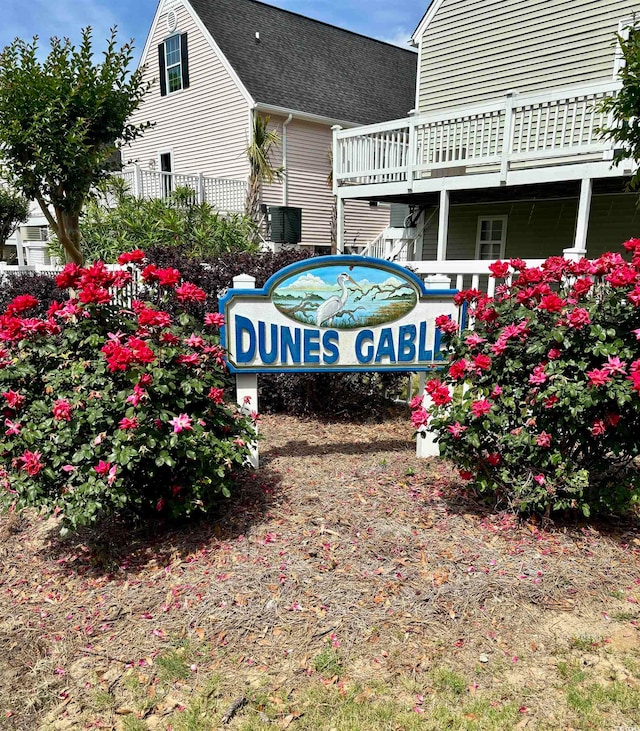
pixel 503 240
pixel 179 64
pixel 623 31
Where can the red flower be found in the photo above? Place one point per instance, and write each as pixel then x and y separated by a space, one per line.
pixel 131 257
pixel 499 269
pixel 493 459
pixel 21 303
pixel 538 377
pixel 482 362
pixel 598 428
pixel 458 369
pixel 168 277
pixel 216 395
pixel 69 276
pixel 551 303
pixel 543 439
pixel 126 423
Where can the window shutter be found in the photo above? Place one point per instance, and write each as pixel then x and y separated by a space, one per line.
pixel 163 70
pixel 184 61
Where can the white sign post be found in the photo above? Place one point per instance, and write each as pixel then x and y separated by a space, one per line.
pixel 247 383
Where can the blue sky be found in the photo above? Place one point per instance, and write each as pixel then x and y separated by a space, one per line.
pixel 388 20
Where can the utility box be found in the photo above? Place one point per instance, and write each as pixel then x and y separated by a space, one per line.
pixel 286 224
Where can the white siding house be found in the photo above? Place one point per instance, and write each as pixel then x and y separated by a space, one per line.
pixel 215 64
pixel 503 155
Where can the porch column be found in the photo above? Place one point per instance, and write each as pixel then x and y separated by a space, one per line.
pixel 443 225
pixel 19 248
pixel 579 247
pixel 339 225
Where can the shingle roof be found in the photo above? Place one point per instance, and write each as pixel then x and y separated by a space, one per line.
pixel 309 66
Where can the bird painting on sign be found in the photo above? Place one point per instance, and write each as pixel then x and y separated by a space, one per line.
pixel 329 297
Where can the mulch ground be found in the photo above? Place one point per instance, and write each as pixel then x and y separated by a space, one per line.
pixel 341 537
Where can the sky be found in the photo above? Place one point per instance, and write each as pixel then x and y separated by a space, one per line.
pixel 388 20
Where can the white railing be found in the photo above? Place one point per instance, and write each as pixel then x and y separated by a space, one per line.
pixel 560 125
pixel 224 194
pixel 122 296
pixel 462 273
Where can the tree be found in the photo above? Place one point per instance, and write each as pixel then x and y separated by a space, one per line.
pixel 624 108
pixel 261 168
pixel 14 209
pixel 60 120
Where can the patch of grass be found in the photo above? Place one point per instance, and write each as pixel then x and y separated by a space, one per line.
pixel 624 616
pixel 133 723
pixel 583 643
pixel 590 700
pixel 103 700
pixel 570 670
pixel 172 666
pixel 445 680
pixel 328 662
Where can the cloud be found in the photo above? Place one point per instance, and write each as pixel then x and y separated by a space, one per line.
pixel 308 281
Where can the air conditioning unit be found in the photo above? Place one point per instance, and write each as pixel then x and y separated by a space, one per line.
pixel 286 224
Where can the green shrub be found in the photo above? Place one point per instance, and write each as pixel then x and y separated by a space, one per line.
pixel 114 221
pixel 110 409
pixel 540 404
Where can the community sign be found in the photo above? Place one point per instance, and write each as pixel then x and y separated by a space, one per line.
pixel 335 313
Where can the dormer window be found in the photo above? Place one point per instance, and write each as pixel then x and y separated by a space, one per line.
pixel 173 59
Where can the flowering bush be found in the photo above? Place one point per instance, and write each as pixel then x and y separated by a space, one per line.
pixel 115 409
pixel 540 403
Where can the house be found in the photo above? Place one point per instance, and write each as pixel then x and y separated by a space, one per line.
pixel 219 63
pixel 502 157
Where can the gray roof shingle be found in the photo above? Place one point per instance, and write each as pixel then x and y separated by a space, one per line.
pixel 309 66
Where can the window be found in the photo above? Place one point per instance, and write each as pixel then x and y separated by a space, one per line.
pixel 626 29
pixel 173 58
pixel 491 238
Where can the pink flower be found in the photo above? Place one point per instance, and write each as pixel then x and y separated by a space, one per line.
pixel 13 427
pixel 457 429
pixel 181 423
pixel 538 376
pixel 539 479
pixel 598 428
pixel 496 393
pixel 137 395
pixel 102 468
pixel 480 408
pixel 446 325
pixel 188 292
pixel 14 399
pixel 473 340
pixel 482 362
pixel 554 354
pixel 194 341
pixel 615 365
pixel 420 418
pixel 598 377
pixel 214 319
pixel 31 463
pixel 543 439
pixel 578 318
pixel 112 474
pixel 62 410
pixel 127 423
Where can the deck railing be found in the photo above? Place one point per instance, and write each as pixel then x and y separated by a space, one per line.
pixel 224 194
pixel 558 126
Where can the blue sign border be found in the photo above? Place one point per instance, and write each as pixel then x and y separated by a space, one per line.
pixel 346 260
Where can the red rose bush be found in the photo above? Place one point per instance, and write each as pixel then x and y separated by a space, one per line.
pixel 539 404
pixel 110 408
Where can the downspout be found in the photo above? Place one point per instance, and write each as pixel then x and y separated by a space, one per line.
pixel 285 174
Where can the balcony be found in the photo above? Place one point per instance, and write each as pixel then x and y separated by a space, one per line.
pixel 224 194
pixel 517 139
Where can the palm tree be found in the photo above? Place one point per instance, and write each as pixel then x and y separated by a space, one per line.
pixel 261 168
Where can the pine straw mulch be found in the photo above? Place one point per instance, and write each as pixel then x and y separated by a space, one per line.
pixel 342 536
